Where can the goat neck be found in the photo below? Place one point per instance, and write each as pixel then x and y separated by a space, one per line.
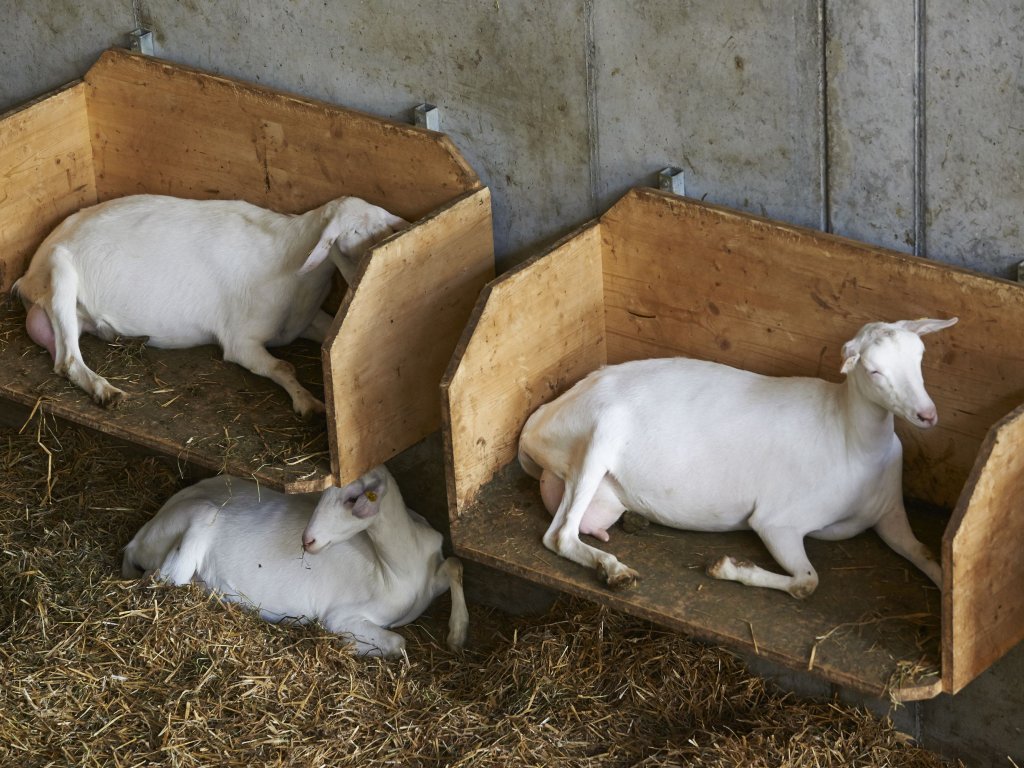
pixel 869 425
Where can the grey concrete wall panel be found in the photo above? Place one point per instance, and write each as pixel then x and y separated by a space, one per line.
pixel 728 91
pixel 508 76
pixel 871 67
pixel 975 131
pixel 47 43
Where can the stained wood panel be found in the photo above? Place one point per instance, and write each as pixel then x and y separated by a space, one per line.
pixel 395 333
pixel 536 330
pixel 45 173
pixel 164 128
pixel 983 614
pixel 682 277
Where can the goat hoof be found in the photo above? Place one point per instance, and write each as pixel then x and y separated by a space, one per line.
pixel 111 398
pixel 310 411
pixel 621 577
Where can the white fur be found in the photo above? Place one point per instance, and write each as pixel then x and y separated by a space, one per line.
pixel 192 272
pixel 354 557
pixel 702 446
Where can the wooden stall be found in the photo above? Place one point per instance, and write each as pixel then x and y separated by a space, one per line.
pixel 135 124
pixel 659 275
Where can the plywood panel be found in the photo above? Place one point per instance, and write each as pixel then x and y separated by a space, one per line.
pixel 983 614
pixel 394 336
pixel 536 330
pixel 45 173
pixel 686 278
pixel 161 127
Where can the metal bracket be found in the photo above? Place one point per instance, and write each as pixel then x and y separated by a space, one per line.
pixel 1020 272
pixel 141 40
pixel 427 116
pixel 672 180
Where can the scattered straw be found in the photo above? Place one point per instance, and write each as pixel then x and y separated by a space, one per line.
pixel 99 671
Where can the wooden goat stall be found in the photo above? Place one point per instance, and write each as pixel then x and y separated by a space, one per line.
pixel 136 125
pixel 663 276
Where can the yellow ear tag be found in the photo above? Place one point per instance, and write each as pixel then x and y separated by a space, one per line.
pixel 371 495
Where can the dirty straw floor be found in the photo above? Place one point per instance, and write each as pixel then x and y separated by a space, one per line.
pixel 100 671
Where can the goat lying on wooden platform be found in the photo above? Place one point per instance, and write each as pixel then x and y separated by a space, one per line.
pixel 354 557
pixel 702 446
pixel 190 272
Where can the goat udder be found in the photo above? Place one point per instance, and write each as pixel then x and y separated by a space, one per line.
pixel 37 323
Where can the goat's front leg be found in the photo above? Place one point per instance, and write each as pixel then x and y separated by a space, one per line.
pixel 894 529
pixel 563 535
pixel 449 577
pixel 254 356
pixel 368 638
pixel 318 329
pixel 786 545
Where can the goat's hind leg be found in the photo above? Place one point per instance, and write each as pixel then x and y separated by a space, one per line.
pixel 563 535
pixel 786 545
pixel 449 577
pixel 63 315
pixel 318 329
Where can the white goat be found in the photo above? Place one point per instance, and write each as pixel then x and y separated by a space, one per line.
pixel 192 272
pixel 354 557
pixel 702 446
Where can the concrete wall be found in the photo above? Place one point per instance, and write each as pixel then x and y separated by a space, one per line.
pixel 901 124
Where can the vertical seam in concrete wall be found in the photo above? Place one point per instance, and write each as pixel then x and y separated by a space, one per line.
pixel 590 56
pixel 823 119
pixel 920 155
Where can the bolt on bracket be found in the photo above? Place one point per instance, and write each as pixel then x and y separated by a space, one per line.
pixel 140 40
pixel 427 116
pixel 672 179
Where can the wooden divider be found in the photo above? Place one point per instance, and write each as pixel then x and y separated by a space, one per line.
pixel 982 612
pixel 197 135
pixel 683 277
pixel 45 173
pixel 396 331
pixel 536 330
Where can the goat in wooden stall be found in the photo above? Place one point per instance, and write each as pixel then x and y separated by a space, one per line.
pixel 702 446
pixel 192 272
pixel 355 557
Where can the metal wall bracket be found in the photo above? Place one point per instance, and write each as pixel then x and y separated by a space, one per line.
pixel 427 116
pixel 1020 272
pixel 141 41
pixel 672 180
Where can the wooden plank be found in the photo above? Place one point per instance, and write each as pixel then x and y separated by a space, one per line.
pixel 164 128
pixel 536 330
pixel 872 625
pixel 395 333
pixel 983 614
pixel 682 277
pixel 186 403
pixel 45 173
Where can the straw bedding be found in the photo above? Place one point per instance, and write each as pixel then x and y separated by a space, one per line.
pixel 99 671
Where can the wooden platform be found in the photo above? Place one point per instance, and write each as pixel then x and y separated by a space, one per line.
pixel 187 403
pixel 872 625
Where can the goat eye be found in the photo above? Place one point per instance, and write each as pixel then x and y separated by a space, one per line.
pixel 875 373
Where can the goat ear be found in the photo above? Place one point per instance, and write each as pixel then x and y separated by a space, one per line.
pixel 320 252
pixel 851 354
pixel 365 494
pixel 927 325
